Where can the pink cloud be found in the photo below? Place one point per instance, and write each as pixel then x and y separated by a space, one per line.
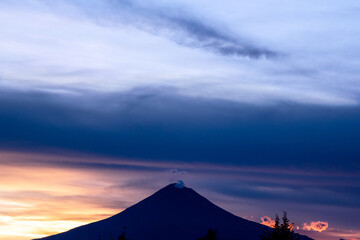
pixel 267 221
pixel 318 226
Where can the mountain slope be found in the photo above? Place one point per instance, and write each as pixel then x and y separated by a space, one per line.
pixel 171 213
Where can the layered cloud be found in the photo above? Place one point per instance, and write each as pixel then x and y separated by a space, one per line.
pixel 171 127
pixel 119 45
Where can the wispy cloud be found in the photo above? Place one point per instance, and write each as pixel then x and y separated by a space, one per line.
pixel 115 46
pixel 184 28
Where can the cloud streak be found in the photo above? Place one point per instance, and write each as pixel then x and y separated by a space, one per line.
pixel 181 27
pixel 199 35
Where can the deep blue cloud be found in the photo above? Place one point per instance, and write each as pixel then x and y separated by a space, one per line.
pixel 160 124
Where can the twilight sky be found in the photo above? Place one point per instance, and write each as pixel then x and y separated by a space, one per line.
pixel 255 105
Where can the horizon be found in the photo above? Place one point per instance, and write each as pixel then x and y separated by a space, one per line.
pixel 254 105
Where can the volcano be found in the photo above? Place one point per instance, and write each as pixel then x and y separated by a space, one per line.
pixel 175 212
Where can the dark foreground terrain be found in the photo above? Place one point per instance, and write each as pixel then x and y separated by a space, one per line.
pixel 175 213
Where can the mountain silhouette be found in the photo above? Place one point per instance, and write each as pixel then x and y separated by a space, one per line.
pixel 174 212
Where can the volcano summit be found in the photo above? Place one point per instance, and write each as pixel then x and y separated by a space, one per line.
pixel 172 213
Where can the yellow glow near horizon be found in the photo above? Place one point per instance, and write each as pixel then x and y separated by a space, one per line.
pixel 37 201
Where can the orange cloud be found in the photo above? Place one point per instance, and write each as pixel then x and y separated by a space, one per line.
pixel 316 226
pixel 267 221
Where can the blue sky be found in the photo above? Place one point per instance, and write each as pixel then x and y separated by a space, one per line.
pixel 251 102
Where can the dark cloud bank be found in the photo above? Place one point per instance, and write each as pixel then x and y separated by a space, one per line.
pixel 162 125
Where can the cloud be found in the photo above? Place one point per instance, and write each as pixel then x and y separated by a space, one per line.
pixel 175 23
pixel 185 29
pixel 99 41
pixel 173 127
pixel 267 221
pixel 199 35
pixel 318 226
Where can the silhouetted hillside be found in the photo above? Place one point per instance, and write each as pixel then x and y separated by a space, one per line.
pixel 175 213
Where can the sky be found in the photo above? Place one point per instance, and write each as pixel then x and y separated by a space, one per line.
pixel 255 105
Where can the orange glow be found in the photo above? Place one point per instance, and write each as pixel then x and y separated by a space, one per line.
pixel 267 221
pixel 316 226
pixel 36 201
